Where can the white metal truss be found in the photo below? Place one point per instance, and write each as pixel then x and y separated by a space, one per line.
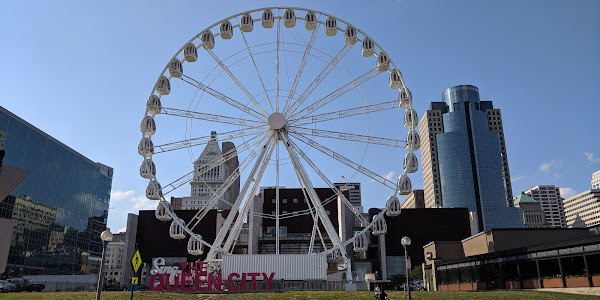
pixel 223 97
pixel 346 136
pixel 345 113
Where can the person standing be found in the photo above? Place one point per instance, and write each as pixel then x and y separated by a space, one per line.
pixel 377 292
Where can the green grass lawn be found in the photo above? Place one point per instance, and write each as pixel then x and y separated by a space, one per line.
pixel 529 295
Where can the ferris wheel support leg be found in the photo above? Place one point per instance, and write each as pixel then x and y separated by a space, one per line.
pixel 239 222
pixel 223 232
pixel 314 198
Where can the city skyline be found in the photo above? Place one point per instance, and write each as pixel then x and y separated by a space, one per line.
pixel 97 112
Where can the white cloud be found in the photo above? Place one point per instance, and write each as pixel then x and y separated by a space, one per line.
pixel 122 229
pixel 120 195
pixel 548 168
pixel 143 203
pixel 567 192
pixel 389 176
pixel 592 158
pixel 545 167
pixel 514 179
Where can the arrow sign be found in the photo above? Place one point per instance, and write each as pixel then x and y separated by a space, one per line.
pixel 136 261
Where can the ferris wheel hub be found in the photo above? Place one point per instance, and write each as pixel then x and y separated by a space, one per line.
pixel 277 120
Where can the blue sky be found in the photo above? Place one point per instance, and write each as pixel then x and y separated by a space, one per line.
pixel 82 72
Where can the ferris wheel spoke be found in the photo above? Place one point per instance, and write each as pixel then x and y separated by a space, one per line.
pixel 315 83
pixel 346 136
pixel 229 220
pixel 315 218
pixel 301 68
pixel 199 141
pixel 328 182
pixel 222 97
pixel 238 83
pixel 246 208
pixel 235 174
pixel 256 68
pixel 333 236
pixel 209 117
pixel 337 93
pixel 345 160
pixel 350 112
pixel 213 164
pixel 277 61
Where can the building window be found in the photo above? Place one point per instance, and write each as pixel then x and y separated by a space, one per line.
pixel 295 200
pixel 284 200
pixel 273 213
pixel 274 201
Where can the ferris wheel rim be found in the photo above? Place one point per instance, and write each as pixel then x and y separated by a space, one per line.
pixel 162 200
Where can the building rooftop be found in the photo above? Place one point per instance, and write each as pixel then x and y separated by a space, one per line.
pixel 523 198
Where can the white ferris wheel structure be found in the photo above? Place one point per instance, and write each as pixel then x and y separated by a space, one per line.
pixel 297 105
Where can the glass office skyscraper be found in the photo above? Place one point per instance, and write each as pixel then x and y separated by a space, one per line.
pixel 472 162
pixel 59 210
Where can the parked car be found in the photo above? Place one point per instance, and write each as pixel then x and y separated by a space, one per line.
pixel 26 285
pixel 6 287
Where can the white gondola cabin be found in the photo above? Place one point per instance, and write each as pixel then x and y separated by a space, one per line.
pixel 393 207
pixel 246 23
pixel 153 190
pixel 148 126
pixel 380 226
pixel 411 164
pixel 153 105
pixel 176 229
pixel 310 21
pixel 226 30
pixel 360 243
pixel 267 19
pixel 411 120
pixel 405 97
pixel 350 35
pixel 331 26
pixel 163 86
pixel 395 79
pixel 147 169
pixel 146 147
pixel 383 62
pixel 194 246
pixel 175 68
pixel 368 47
pixel 413 142
pixel 190 53
pixel 162 211
pixel 289 18
pixel 208 40
pixel 404 185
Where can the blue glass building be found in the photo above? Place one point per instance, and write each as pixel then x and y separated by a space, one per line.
pixel 59 210
pixel 470 160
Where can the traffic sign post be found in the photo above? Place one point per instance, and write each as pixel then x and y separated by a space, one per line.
pixel 136 262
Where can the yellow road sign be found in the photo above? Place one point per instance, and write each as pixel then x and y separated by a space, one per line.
pixel 136 261
pixel 134 280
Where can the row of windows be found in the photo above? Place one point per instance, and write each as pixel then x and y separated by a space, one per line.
pixel 285 200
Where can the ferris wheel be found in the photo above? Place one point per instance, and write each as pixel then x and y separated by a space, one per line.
pixel 307 98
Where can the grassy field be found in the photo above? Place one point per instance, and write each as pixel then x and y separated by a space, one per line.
pixel 529 295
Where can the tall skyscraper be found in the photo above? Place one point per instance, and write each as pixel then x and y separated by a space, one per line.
pixel 430 125
pixel 204 186
pixel 464 158
pixel 59 210
pixel 353 190
pixel 551 203
pixel 596 180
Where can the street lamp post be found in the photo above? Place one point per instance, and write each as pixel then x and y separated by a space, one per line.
pixel 406 242
pixel 106 236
